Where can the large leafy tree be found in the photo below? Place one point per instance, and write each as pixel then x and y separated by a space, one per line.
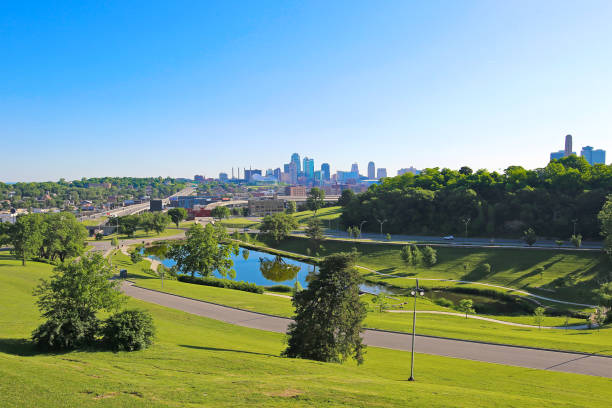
pixel 205 250
pixel 63 236
pixel 329 314
pixel 605 218
pixel 159 222
pixel 220 212
pixel 177 215
pixel 26 236
pixel 129 224
pixel 315 199
pixel 70 300
pixel 278 226
pixel 314 232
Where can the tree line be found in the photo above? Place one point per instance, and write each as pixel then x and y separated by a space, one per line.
pixel 52 236
pixel 559 200
pixel 148 221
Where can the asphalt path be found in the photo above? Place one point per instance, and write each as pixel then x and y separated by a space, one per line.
pixel 576 363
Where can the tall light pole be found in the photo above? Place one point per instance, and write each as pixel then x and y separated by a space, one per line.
pixel 361 225
pixel 415 292
pixel 381 222
pixel 575 221
pixel 466 221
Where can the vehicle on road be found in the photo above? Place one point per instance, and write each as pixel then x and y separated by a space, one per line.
pixel 449 238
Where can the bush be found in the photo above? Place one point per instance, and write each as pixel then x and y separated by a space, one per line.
pixel 280 288
pixel 222 283
pixel 129 330
pixel 66 332
pixel 444 302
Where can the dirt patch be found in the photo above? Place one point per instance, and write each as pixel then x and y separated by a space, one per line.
pixel 288 393
pixel 107 395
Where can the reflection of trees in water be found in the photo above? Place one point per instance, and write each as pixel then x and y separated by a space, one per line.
pixel 312 273
pixel 277 270
pixel 159 251
pixel 245 254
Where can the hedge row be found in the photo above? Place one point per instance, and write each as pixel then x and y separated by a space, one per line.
pixel 222 283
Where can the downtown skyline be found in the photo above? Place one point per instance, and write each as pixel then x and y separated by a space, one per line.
pixel 222 85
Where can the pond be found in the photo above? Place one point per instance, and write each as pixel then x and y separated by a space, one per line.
pixel 260 268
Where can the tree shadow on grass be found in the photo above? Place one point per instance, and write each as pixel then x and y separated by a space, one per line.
pixel 27 348
pixel 221 349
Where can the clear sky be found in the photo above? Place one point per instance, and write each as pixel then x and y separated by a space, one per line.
pixel 178 88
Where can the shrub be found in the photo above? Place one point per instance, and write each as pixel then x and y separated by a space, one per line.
pixel 129 330
pixel 280 288
pixel 444 302
pixel 66 332
pixel 222 283
pixel 484 269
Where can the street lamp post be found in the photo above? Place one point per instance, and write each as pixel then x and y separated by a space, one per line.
pixel 574 221
pixel 361 225
pixel 420 292
pixel 381 222
pixel 466 221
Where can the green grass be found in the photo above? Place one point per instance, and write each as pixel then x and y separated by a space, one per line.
pixel 324 214
pixel 201 362
pixel 238 222
pixel 515 268
pixel 141 234
pixel 94 223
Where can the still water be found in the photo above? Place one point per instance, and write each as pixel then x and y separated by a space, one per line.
pixel 260 268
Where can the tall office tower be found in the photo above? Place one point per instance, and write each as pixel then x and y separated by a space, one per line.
pixel 355 168
pixel 325 172
pixel 295 158
pixel 568 145
pixel 381 173
pixel 277 173
pixel 593 156
pixel 308 168
pixel 223 176
pixel 293 172
pixel 371 170
pixel 286 168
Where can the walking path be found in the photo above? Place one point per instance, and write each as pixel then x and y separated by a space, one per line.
pixel 522 292
pixel 492 353
pixel 488 319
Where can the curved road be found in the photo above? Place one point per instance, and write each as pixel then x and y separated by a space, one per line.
pixel 509 355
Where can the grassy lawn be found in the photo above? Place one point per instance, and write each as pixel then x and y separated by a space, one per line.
pixel 324 214
pixel 94 223
pixel 141 234
pixel 201 362
pixel 238 222
pixel 575 272
pixel 591 341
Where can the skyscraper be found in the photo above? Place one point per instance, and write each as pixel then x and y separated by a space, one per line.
pixel 308 168
pixel 277 173
pixel 325 172
pixel 371 170
pixel 355 168
pixel 295 158
pixel 381 173
pixel 293 172
pixel 593 156
pixel 568 145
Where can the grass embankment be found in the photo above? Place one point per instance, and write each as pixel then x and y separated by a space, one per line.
pixel 590 341
pixel 328 216
pixel 94 223
pixel 238 222
pixel 568 275
pixel 141 234
pixel 201 362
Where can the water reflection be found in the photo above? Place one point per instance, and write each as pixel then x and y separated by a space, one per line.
pixel 277 270
pixel 159 251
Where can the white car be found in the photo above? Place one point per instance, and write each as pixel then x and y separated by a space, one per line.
pixel 449 238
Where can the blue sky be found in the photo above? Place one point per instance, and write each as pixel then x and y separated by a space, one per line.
pixel 196 87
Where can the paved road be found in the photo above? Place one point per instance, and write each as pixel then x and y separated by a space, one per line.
pixel 508 355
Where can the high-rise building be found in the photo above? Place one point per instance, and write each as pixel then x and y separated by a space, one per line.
pixel 325 172
pixel 371 170
pixel 286 168
pixel 223 176
pixel 381 173
pixel 277 173
pixel 293 172
pixel 593 156
pixel 308 168
pixel 295 158
pixel 568 146
pixel 355 168
pixel 410 169
pixel 248 174
pixel 557 155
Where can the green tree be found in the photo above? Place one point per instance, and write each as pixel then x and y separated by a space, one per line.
pixel 605 218
pixel 159 222
pixel 135 255
pixel 329 314
pixel 177 215
pixel 220 212
pixel 314 232
pixel 315 199
pixel 388 237
pixel 70 300
pixel 466 306
pixel 205 250
pixel 406 255
pixel 5 230
pixel 576 240
pixel 417 256
pixel 382 301
pixel 26 236
pixel 529 236
pixel 115 242
pixel 277 226
pixel 129 224
pixel 145 221
pixel 604 294
pixel 538 316
pixel 63 236
pixel 600 317
pixel 430 256
pixel 291 207
pixel 346 197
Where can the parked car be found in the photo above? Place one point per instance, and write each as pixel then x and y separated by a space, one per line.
pixel 449 238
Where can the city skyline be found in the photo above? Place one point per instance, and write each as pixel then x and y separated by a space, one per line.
pixel 200 89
